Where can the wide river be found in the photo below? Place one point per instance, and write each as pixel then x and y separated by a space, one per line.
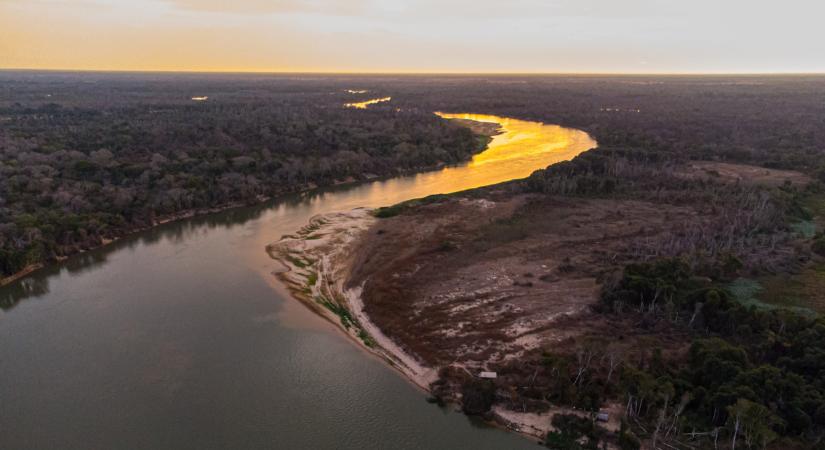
pixel 180 338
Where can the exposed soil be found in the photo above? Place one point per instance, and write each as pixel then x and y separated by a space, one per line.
pixel 491 280
pixel 476 280
pixel 743 173
pixel 317 260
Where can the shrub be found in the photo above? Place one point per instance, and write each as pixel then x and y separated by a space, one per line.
pixel 477 396
pixel 818 245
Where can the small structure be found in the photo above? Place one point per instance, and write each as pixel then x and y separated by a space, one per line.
pixel 488 375
pixel 603 416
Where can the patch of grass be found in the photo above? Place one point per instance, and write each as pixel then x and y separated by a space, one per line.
pixel 298 262
pixel 805 290
pixel 385 212
pixel 312 278
pixel 343 313
pixel 366 338
pixel 802 293
pixel 745 291
pixel 805 228
pixel 814 204
pixel 312 227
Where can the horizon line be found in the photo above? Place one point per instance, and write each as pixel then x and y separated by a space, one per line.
pixel 393 72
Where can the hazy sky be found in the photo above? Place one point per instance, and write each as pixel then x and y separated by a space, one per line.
pixel 415 35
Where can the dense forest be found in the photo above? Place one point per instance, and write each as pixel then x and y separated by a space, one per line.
pixel 700 362
pixel 87 158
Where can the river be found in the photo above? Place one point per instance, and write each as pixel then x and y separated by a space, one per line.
pixel 179 337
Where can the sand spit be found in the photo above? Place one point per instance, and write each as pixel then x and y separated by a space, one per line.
pixel 22 273
pixel 317 263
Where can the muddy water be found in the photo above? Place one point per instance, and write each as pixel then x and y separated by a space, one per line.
pixel 179 338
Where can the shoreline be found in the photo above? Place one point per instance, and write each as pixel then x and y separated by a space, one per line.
pixel 28 270
pixel 316 266
pixel 317 263
pixel 201 212
pixel 485 131
pixel 104 241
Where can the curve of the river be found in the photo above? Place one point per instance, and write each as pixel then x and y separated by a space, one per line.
pixel 171 338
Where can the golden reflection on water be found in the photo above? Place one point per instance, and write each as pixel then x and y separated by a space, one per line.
pixel 363 105
pixel 521 148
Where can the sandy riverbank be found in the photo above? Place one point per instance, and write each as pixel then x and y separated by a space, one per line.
pixel 318 261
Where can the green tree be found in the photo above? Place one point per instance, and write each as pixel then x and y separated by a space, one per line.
pixel 753 422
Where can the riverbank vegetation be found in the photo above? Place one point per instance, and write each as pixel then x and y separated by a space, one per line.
pixel 691 367
pixel 85 158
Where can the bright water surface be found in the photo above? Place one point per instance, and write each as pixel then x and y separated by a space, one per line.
pixel 180 338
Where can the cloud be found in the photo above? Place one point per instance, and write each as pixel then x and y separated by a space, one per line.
pixel 415 35
pixel 326 7
pixel 524 9
pixel 438 10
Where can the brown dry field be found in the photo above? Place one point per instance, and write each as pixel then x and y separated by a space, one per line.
pixel 479 279
pixel 743 173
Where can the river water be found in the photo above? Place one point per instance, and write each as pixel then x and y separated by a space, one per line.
pixel 179 337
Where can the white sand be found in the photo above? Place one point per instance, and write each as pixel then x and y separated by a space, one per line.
pixel 322 250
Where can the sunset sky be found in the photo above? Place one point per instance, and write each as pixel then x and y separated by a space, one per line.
pixel 637 36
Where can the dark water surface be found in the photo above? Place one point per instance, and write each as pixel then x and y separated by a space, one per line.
pixel 179 338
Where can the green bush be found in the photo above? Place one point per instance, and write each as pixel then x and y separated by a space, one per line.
pixel 477 396
pixel 571 429
pixel 385 212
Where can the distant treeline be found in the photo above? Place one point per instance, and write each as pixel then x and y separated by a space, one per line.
pixel 774 121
